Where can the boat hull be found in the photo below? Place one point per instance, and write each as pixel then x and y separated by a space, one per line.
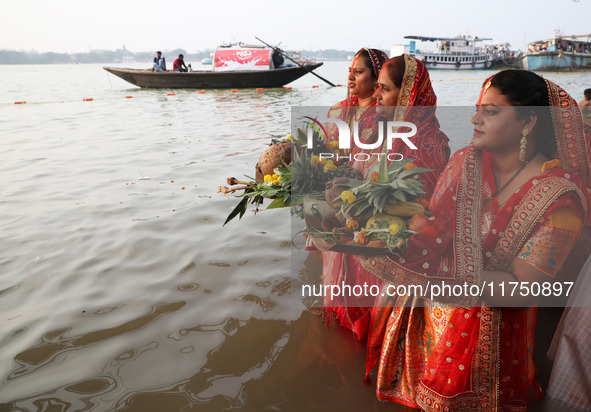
pixel 212 80
pixel 462 66
pixel 556 61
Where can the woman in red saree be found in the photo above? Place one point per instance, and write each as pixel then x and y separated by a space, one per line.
pixel 361 84
pixel 404 92
pixel 508 208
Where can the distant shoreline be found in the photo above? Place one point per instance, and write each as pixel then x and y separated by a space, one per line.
pixel 11 57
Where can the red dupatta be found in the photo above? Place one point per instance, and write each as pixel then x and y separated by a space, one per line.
pixel 417 104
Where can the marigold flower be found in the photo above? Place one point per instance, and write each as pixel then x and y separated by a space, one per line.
pixel 551 164
pixel 268 178
pixel 374 177
pixel 409 166
pixel 314 160
pixel 394 229
pixel 333 144
pixel 275 176
pixel 329 166
pixel 289 137
pixel 348 197
pixel 362 238
pixel 353 224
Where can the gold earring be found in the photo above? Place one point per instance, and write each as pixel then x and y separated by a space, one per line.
pixel 523 146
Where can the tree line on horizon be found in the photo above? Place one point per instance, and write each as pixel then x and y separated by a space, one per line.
pixel 124 55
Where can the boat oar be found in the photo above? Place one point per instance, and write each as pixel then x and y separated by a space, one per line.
pixel 296 62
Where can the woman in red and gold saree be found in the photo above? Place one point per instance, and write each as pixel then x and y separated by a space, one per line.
pixel 412 99
pixel 508 208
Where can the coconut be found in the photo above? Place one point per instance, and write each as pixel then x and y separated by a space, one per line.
pixel 274 156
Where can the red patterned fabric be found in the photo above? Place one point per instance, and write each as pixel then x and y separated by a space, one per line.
pixel 481 359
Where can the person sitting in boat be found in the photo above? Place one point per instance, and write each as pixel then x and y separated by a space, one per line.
pixel 587 100
pixel 179 64
pixel 277 59
pixel 159 62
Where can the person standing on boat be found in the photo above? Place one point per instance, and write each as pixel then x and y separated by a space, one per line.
pixel 179 64
pixel 159 62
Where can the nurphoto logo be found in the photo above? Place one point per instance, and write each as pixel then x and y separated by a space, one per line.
pixel 392 129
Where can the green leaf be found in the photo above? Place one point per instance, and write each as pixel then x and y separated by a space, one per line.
pixel 399 194
pixel 383 173
pixel 277 203
pixel 239 209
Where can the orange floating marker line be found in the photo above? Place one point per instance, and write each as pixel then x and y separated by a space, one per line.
pixel 339 85
pixel 170 94
pixel 23 102
pixel 288 87
pixel 201 91
pixel 89 99
pixel 260 89
pixel 315 87
pixel 234 90
pixel 129 97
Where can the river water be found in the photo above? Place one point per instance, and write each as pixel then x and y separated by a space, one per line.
pixel 119 287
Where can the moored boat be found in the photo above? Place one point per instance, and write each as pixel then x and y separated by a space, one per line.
pixel 560 53
pixel 234 66
pixel 451 53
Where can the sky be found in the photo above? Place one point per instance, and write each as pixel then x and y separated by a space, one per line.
pixel 69 26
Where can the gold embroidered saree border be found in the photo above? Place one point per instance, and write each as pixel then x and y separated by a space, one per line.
pixel 529 212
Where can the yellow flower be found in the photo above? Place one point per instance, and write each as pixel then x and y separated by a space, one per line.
pixel 409 166
pixel 289 138
pixel 268 178
pixel 329 166
pixel 374 177
pixel 394 229
pixel 334 144
pixel 275 176
pixel 348 197
pixel 314 160
pixel 276 181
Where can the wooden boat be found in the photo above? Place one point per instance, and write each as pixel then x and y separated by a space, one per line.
pixel 213 79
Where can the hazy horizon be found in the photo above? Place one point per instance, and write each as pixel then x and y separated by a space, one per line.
pixel 71 26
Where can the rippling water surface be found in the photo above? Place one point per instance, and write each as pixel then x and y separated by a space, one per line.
pixel 119 287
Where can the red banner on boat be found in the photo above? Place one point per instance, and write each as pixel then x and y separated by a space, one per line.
pixel 242 59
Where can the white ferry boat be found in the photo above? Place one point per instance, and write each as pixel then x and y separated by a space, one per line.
pixel 451 53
